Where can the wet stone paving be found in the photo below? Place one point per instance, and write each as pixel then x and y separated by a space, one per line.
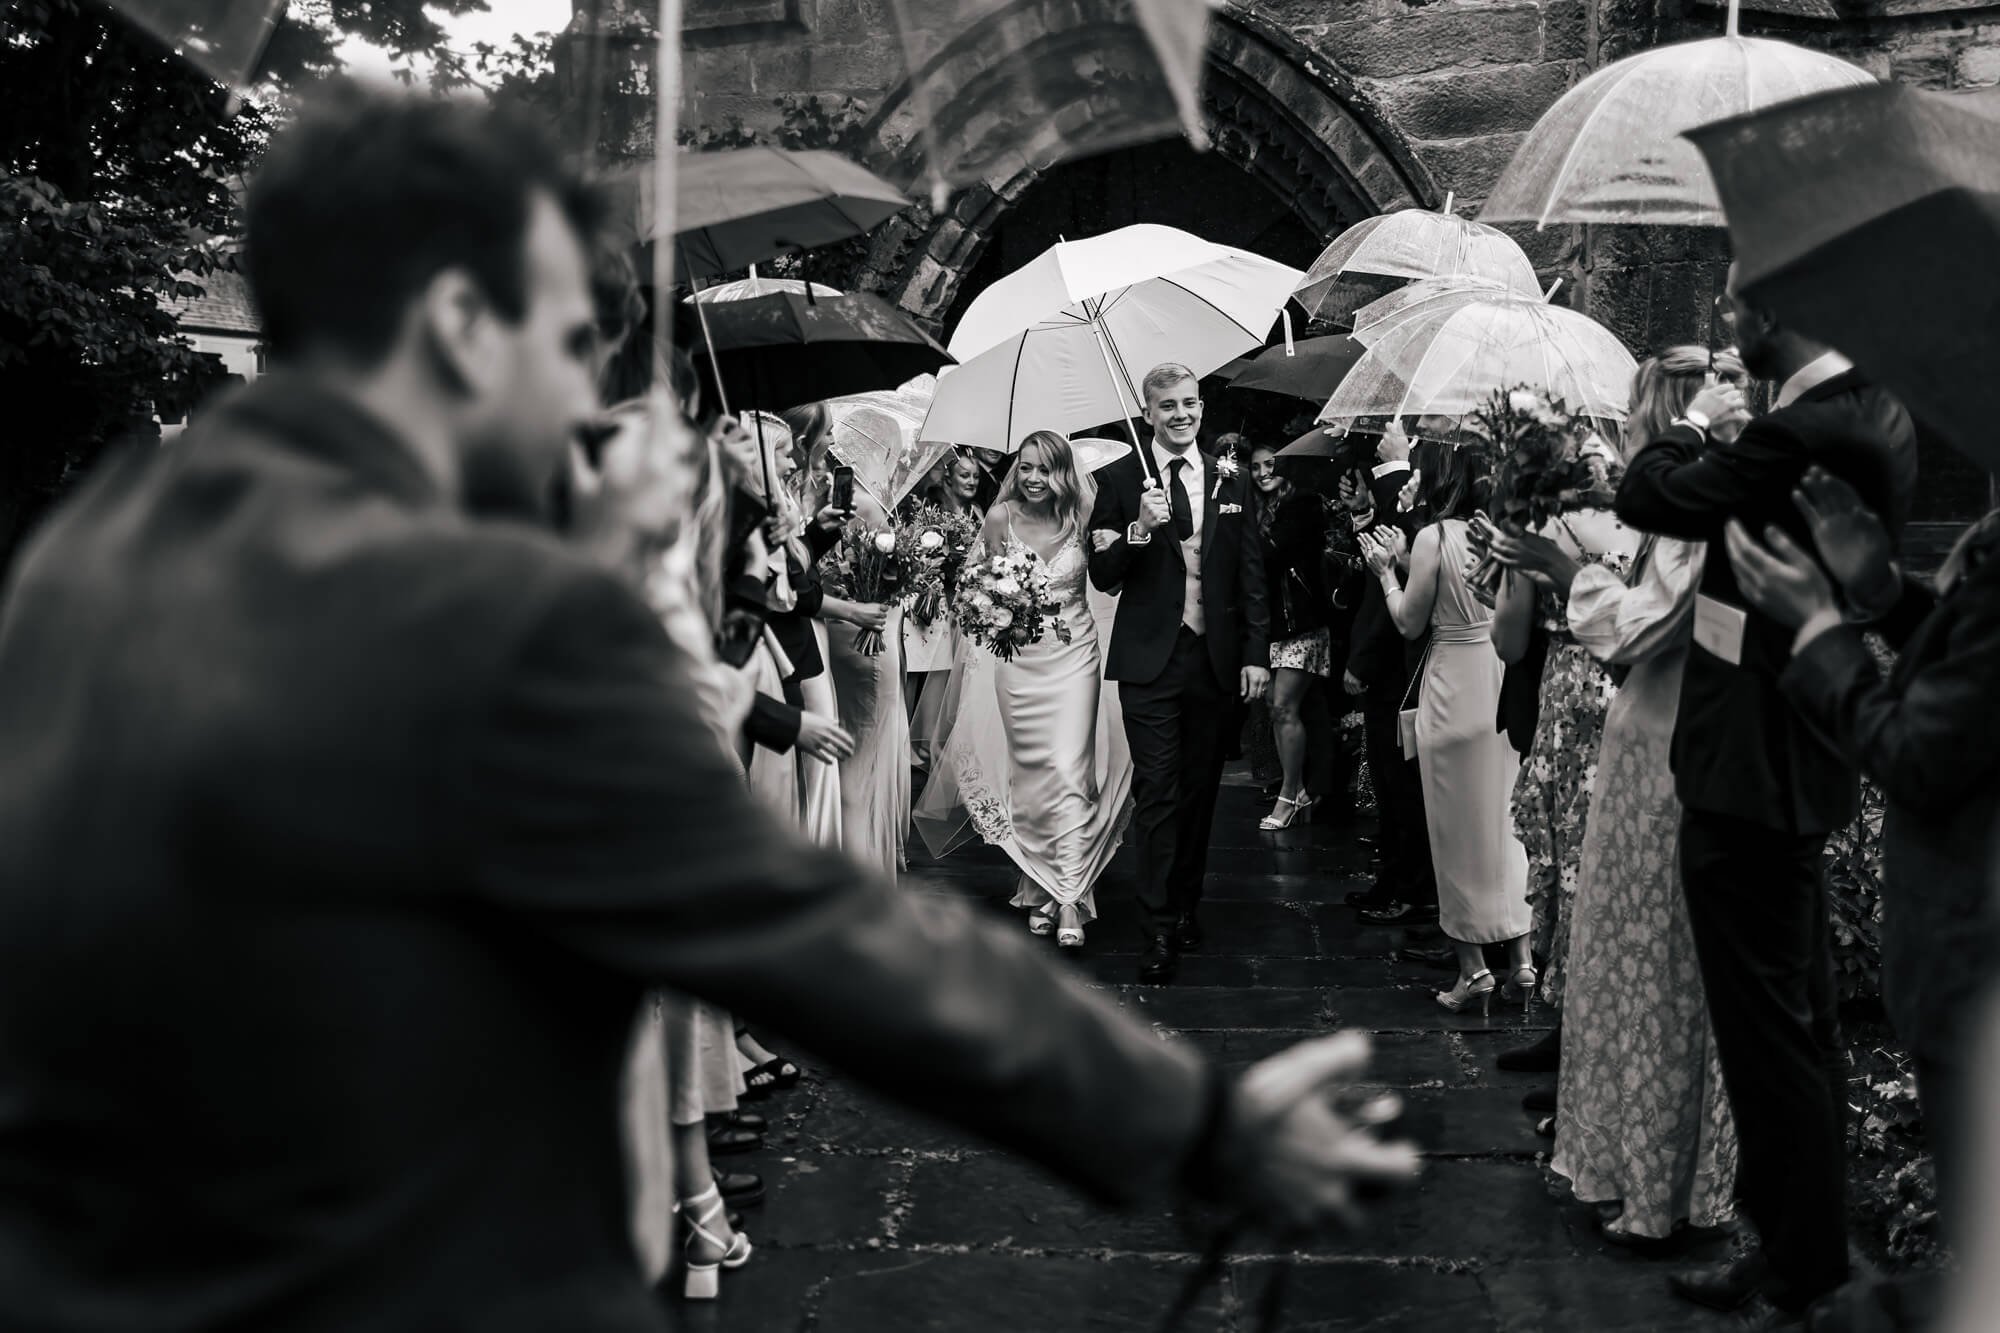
pixel 879 1220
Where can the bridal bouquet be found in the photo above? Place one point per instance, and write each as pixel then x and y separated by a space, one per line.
pixel 1546 462
pixel 870 565
pixel 939 541
pixel 1004 603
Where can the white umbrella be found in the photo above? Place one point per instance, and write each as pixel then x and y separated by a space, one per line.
pixel 1417 243
pixel 1448 361
pixel 1061 343
pixel 1610 149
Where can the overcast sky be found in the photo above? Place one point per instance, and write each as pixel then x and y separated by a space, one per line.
pixel 502 20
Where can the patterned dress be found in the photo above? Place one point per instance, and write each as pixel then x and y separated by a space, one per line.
pixel 1551 804
pixel 1644 1120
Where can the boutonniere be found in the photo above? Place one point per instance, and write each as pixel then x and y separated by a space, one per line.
pixel 1225 470
pixel 1232 509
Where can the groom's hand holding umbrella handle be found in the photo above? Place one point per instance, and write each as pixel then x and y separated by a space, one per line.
pixel 1291 1156
pixel 1154 512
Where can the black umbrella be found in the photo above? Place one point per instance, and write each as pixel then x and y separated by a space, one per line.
pixel 1311 368
pixel 788 347
pixel 1869 219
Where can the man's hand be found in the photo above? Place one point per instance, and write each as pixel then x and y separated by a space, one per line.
pixel 1354 495
pixel 1154 510
pixel 1292 1159
pixel 1406 499
pixel 1856 547
pixel 1352 684
pixel 1394 446
pixel 824 739
pixel 1782 581
pixel 1256 681
pixel 1725 408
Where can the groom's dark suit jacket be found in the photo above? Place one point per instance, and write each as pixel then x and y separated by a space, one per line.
pixel 339 837
pixel 1152 579
pixel 1739 747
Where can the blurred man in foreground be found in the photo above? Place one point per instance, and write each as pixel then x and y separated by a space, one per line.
pixel 340 834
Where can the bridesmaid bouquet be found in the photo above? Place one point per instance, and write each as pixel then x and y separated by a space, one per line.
pixel 870 565
pixel 1004 603
pixel 939 540
pixel 1546 462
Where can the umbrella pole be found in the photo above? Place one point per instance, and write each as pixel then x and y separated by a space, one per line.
pixel 722 395
pixel 666 136
pixel 1118 386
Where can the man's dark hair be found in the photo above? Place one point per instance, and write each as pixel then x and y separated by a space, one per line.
pixel 367 198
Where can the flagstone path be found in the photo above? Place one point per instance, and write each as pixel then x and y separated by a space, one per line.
pixel 879 1221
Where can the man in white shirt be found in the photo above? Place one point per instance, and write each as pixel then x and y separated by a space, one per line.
pixel 1192 640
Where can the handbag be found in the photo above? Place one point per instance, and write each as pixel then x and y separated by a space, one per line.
pixel 1406 718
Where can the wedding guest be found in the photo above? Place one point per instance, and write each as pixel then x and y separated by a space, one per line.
pixel 1642 1124
pixel 1381 669
pixel 1761 789
pixel 932 648
pixel 1928 734
pixel 1468 768
pixel 1037 762
pixel 1552 794
pixel 298 747
pixel 865 662
pixel 1291 524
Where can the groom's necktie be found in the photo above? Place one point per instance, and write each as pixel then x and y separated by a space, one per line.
pixel 1177 500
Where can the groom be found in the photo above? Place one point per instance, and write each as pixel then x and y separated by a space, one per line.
pixel 1175 536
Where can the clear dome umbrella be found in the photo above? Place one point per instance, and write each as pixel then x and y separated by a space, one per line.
pixel 1427 298
pixel 1412 243
pixel 1610 150
pixel 1448 362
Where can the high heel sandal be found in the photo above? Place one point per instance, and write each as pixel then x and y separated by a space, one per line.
pixel 704 1280
pixel 1521 986
pixel 1468 989
pixel 1041 921
pixel 1285 813
pixel 1070 933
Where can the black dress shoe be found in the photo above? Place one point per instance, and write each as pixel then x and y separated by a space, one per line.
pixel 1430 955
pixel 1159 963
pixel 1187 932
pixel 726 1141
pixel 742 1189
pixel 1544 1057
pixel 749 1120
pixel 1541 1099
pixel 1726 1287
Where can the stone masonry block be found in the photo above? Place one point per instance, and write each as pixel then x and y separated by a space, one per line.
pixel 1470 166
pixel 1471 102
pixel 1979 66
pixel 1565 30
pixel 837 19
pixel 1932 69
pixel 720 69
pixel 1420 43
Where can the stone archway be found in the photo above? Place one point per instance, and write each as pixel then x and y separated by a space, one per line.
pixel 1277 111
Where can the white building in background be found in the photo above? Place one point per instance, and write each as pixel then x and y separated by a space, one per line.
pixel 220 323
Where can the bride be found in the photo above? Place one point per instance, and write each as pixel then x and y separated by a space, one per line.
pixel 1035 758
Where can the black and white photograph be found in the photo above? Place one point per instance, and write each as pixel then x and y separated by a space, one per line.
pixel 999 666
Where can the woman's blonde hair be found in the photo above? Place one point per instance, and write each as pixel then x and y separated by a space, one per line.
pixel 1664 385
pixel 1069 491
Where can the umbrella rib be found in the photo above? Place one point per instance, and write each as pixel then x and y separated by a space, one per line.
pixel 1014 385
pixel 1216 308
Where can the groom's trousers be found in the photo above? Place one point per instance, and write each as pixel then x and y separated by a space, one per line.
pixel 1177 727
pixel 1757 905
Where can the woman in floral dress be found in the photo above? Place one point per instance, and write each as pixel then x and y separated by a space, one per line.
pixel 1552 794
pixel 1643 1128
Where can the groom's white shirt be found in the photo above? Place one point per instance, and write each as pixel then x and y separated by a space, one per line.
pixel 1195 478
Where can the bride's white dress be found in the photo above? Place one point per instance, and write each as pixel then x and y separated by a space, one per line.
pixel 1035 762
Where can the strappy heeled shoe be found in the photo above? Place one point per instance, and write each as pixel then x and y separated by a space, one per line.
pixel 1285 813
pixel 1042 920
pixel 1069 934
pixel 1521 986
pixel 1467 990
pixel 703 1281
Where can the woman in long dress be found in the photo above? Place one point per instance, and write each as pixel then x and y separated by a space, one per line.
pixel 1036 761
pixel 1466 765
pixel 1552 794
pixel 932 648
pixel 1642 1125
pixel 875 779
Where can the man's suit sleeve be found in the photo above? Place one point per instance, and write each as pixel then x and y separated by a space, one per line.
pixel 1108 513
pixel 1933 738
pixel 598 813
pixel 1255 597
pixel 1678 488
pixel 773 723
